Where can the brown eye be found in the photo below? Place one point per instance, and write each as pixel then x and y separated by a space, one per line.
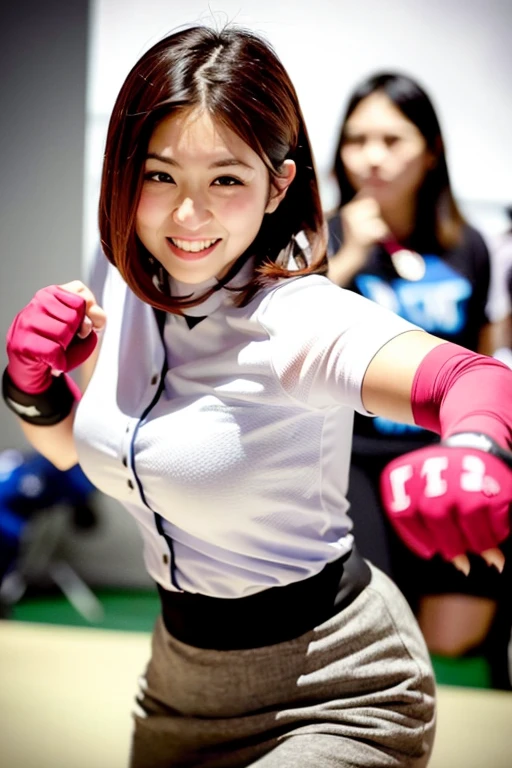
pixel 227 181
pixel 159 176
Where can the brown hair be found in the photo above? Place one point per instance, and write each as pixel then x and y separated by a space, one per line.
pixel 237 77
pixel 438 213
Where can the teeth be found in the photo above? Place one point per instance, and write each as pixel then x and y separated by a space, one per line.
pixel 193 246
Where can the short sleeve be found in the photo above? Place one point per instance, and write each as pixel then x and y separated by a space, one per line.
pixel 323 338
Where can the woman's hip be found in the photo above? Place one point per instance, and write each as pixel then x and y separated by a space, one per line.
pixel 364 674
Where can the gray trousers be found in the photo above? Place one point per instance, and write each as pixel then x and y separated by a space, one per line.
pixel 355 692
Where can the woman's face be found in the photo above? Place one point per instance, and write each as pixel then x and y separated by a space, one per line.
pixel 384 154
pixel 204 196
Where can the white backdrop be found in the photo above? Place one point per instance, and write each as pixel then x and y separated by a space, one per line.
pixel 460 50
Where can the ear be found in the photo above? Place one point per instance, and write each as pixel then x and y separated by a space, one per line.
pixel 279 186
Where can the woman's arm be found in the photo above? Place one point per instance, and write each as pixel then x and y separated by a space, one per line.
pixel 56 443
pixel 52 334
pixel 452 497
pixel 388 380
pixel 362 227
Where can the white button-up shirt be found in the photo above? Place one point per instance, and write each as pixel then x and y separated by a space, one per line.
pixel 230 441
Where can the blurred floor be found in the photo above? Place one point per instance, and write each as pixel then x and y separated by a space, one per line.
pixel 66 695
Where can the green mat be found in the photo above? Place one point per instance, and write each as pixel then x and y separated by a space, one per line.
pixel 131 611
pixel 136 611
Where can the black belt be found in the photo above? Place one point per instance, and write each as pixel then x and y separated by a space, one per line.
pixel 271 616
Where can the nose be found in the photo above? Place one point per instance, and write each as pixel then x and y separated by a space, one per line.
pixel 375 153
pixel 191 214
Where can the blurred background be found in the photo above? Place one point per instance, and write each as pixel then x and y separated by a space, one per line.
pixel 62 63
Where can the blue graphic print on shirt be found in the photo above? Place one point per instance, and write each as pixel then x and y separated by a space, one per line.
pixel 438 303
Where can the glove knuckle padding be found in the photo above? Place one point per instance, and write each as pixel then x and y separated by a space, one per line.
pixel 462 497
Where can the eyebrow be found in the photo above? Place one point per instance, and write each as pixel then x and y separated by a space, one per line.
pixel 222 163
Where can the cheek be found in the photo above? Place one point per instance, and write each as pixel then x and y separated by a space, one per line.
pixel 413 167
pixel 351 159
pixel 242 212
pixel 151 210
pixel 353 163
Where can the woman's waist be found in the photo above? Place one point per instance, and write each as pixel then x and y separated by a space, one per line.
pixel 244 556
pixel 269 616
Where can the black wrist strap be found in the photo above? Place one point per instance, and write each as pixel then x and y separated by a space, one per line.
pixel 44 409
pixel 481 442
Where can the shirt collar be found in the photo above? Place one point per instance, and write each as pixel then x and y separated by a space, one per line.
pixel 222 294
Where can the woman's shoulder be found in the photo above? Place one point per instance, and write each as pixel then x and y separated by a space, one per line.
pixel 290 295
pixel 310 300
pixel 300 288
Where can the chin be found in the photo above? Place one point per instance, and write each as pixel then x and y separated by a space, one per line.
pixel 190 276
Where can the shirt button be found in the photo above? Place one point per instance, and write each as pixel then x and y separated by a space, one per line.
pixel 125 461
pixel 165 558
pixel 154 379
pixel 130 485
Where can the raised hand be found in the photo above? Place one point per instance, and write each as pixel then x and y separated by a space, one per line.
pixel 54 333
pixel 362 224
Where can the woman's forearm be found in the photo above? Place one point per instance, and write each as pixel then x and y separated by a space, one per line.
pixel 56 443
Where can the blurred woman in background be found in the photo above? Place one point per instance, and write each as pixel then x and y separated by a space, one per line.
pixel 398 237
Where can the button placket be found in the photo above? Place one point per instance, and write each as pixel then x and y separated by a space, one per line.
pixel 125 453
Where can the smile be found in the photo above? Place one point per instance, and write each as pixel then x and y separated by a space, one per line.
pixel 191 249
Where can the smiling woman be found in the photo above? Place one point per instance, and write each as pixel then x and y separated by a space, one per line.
pixel 204 195
pixel 225 156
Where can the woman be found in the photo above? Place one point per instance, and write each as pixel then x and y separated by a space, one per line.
pixel 398 238
pixel 220 411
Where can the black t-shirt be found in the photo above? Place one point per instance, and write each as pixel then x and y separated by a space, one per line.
pixel 449 302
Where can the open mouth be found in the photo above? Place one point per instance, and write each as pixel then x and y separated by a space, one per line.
pixel 198 247
pixel 192 250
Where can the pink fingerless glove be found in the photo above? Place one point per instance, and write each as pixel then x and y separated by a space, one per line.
pixel 448 500
pixel 42 338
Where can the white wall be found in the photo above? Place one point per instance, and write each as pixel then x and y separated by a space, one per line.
pixel 460 50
